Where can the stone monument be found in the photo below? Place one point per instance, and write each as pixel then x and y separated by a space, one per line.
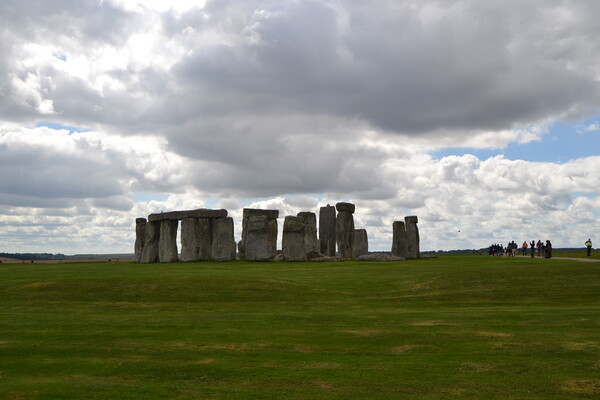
pixel 344 228
pixel 294 239
pixel 412 237
pixel 327 230
pixel 360 245
pixel 399 239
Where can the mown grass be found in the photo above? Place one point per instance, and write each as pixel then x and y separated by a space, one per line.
pixel 455 327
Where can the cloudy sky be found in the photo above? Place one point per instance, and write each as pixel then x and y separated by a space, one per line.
pixel 480 117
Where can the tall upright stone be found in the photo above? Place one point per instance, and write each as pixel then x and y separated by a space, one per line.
pixel 196 239
pixel 311 243
pixel 327 230
pixel 272 228
pixel 344 228
pixel 167 243
pixel 399 239
pixel 140 238
pixel 258 239
pixel 412 237
pixel 223 243
pixel 150 250
pixel 360 245
pixel 293 241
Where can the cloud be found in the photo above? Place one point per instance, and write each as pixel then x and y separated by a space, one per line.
pixel 292 104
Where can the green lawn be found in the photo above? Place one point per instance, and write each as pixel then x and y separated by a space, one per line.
pixel 454 327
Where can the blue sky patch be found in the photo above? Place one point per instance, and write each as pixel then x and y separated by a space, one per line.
pixel 57 126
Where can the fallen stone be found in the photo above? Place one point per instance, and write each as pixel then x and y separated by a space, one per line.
pixel 380 257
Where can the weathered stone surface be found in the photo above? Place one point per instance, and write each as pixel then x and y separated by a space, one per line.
pixel 196 239
pixel 150 250
pixel 271 216
pixel 198 213
pixel 140 238
pixel 223 243
pixel 167 243
pixel 255 212
pixel 327 230
pixel 258 240
pixel 324 259
pixel 311 243
pixel 360 244
pixel 344 230
pixel 380 257
pixel 347 207
pixel 412 237
pixel 293 245
pixel 273 230
pixel 399 239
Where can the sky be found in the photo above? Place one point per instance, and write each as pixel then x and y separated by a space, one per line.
pixel 482 118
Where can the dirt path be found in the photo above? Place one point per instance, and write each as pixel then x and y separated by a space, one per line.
pixel 568 258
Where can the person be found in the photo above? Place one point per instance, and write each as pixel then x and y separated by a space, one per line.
pixel 539 247
pixel 548 249
pixel 588 244
pixel 533 248
pixel 524 247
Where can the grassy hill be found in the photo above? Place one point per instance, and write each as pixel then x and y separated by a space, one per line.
pixel 454 327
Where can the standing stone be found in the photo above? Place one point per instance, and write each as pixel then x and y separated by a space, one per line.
pixel 140 238
pixel 223 243
pixel 258 241
pixel 412 237
pixel 327 230
pixel 311 243
pixel 272 228
pixel 196 239
pixel 293 242
pixel 167 243
pixel 360 245
pixel 399 239
pixel 344 229
pixel 150 250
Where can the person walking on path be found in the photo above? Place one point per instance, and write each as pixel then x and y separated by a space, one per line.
pixel 588 244
pixel 533 248
pixel 524 246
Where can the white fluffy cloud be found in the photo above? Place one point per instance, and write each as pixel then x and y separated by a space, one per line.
pixel 298 102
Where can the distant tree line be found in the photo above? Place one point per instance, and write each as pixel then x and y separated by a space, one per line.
pixel 33 256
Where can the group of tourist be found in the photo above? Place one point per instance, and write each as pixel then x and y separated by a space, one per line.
pixel 544 250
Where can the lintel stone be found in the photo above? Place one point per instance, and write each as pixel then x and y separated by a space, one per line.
pixel 177 215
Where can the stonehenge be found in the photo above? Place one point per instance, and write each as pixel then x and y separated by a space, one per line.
pixel 412 237
pixel 327 230
pixel 293 239
pixel 399 239
pixel 199 229
pixel 344 229
pixel 140 237
pixel 259 229
pixel 360 244
pixel 209 235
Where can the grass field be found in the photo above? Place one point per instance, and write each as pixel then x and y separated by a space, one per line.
pixel 455 327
